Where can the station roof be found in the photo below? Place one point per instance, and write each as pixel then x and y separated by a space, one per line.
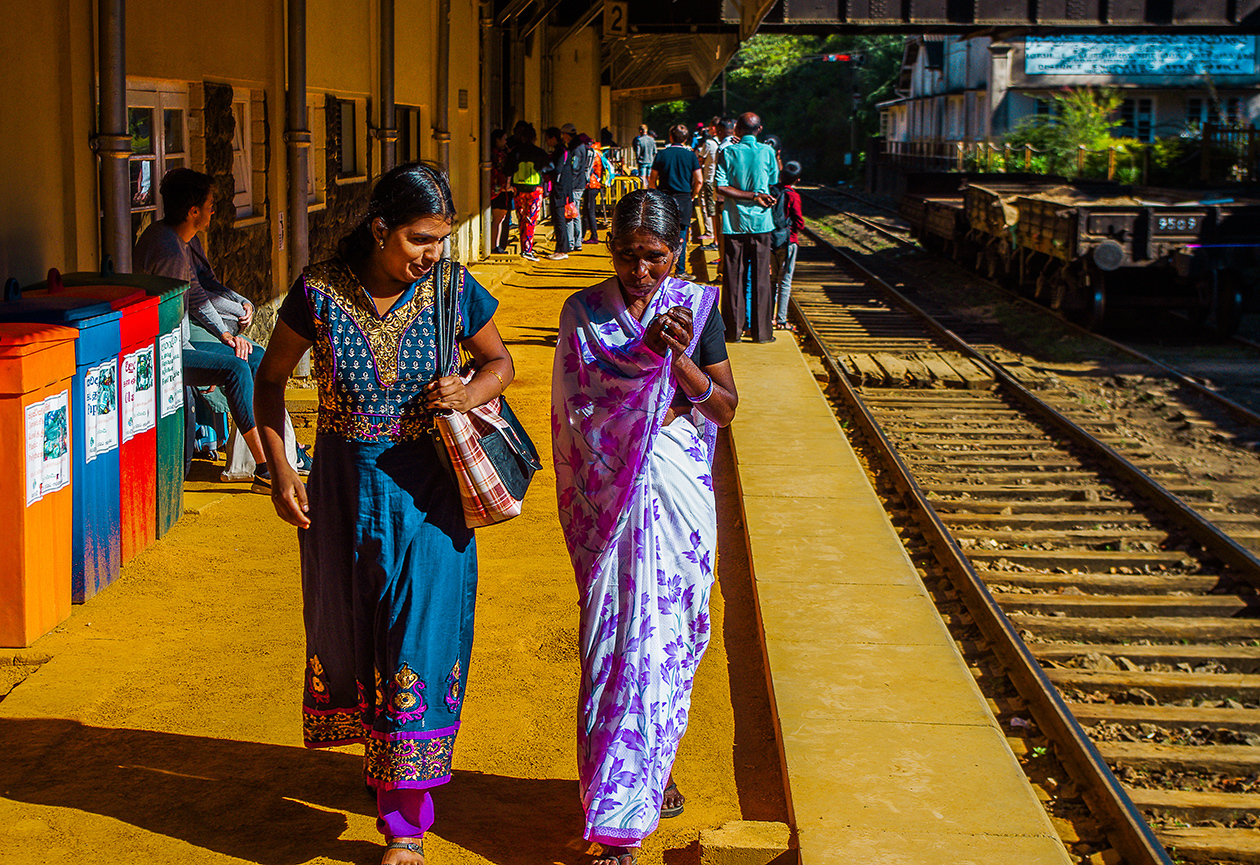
pixel 743 18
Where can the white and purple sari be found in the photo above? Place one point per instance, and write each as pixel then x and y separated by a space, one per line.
pixel 637 508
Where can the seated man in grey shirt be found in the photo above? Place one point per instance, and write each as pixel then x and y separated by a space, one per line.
pixel 218 355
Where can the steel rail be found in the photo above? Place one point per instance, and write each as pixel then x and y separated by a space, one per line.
pixel 1130 833
pixel 1209 536
pixel 1239 412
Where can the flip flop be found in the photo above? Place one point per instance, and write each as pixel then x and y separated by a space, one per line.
pixel 620 859
pixel 666 813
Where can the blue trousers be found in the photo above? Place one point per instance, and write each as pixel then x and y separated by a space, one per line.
pixel 213 363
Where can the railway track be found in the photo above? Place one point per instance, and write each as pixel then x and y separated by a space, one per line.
pixel 1124 617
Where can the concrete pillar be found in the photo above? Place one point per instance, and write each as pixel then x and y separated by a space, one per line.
pixel 999 83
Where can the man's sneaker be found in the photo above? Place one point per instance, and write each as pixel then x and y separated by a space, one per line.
pixel 558 256
pixel 262 480
pixel 304 461
pixel 529 256
pixel 709 247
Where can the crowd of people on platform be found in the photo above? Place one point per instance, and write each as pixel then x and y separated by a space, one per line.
pixel 737 190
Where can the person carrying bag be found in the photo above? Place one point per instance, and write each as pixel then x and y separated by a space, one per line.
pixel 486 450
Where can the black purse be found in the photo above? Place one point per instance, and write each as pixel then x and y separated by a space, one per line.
pixel 486 451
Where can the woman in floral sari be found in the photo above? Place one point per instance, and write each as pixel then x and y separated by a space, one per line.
pixel 638 392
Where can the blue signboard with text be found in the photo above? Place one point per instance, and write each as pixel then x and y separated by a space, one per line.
pixel 1140 55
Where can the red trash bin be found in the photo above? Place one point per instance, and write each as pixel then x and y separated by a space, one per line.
pixel 138 408
pixel 36 505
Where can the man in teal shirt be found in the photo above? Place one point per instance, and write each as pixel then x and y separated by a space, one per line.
pixel 745 172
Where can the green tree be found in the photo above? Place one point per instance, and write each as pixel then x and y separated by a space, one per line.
pixel 807 102
pixel 1078 116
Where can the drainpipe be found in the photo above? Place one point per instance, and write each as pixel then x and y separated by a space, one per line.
pixel 442 124
pixel 387 131
pixel 113 143
pixel 487 73
pixel 297 140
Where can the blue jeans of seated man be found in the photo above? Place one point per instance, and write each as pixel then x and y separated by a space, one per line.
pixel 783 262
pixel 213 363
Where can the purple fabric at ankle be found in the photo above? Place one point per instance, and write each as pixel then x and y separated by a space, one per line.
pixel 404 813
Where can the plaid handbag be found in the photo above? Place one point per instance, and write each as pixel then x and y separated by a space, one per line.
pixel 486 450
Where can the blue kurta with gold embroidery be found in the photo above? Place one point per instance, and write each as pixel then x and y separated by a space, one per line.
pixel 389 569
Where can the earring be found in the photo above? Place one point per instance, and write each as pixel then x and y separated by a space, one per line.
pixel 382 244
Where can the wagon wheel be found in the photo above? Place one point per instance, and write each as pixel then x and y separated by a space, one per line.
pixel 1092 291
pixel 1225 302
pixel 1089 299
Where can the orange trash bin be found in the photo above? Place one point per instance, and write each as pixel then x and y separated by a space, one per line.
pixel 36 507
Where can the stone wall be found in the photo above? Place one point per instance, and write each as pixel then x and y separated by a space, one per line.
pixel 344 203
pixel 241 253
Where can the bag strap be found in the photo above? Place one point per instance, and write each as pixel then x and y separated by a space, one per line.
pixel 446 315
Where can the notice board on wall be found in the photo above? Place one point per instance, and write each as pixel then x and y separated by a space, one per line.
pixel 1140 54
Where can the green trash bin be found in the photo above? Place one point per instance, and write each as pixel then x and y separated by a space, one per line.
pixel 171 431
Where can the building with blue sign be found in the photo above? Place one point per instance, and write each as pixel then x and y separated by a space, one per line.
pixel 977 89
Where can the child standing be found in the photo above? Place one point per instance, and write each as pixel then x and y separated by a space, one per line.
pixel 788 222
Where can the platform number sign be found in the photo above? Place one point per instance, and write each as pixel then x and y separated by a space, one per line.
pixel 616 19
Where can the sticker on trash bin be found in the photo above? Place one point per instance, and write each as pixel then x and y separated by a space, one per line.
pixel 171 367
pixel 47 446
pixel 139 393
pixel 100 409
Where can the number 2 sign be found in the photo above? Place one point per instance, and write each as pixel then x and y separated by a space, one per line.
pixel 616 19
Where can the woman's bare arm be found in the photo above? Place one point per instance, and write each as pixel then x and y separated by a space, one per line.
pixel 288 493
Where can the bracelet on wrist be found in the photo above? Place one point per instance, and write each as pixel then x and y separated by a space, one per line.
pixel 696 400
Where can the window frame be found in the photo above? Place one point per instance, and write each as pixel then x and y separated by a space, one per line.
pixel 358 170
pixel 243 158
pixel 158 97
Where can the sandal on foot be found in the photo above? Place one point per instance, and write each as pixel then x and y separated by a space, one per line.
pixel 666 813
pixel 630 857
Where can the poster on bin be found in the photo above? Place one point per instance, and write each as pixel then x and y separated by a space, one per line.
pixel 47 446
pixel 56 467
pixel 171 365
pixel 100 409
pixel 144 412
pixel 139 393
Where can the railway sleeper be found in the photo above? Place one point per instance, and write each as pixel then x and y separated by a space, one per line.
pixel 1212 845
pixel 1131 583
pixel 1096 539
pixel 1004 507
pixel 1167 718
pixel 1177 658
pixel 1144 687
pixel 1069 520
pixel 1061 492
pixel 1197 805
pixel 1165 629
pixel 1229 760
pixel 934 462
pixel 1100 606
pixel 1009 439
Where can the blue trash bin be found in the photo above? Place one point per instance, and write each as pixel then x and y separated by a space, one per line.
pixel 96 542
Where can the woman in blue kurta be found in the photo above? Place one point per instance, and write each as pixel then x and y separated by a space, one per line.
pixel 389 568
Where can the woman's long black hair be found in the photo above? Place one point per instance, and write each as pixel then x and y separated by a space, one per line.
pixel 404 194
pixel 648 210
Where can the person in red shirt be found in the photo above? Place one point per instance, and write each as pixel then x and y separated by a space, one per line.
pixel 784 255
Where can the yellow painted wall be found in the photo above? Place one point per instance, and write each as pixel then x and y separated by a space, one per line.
pixel 47 171
pixel 340 45
pixel 575 72
pixel 199 40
